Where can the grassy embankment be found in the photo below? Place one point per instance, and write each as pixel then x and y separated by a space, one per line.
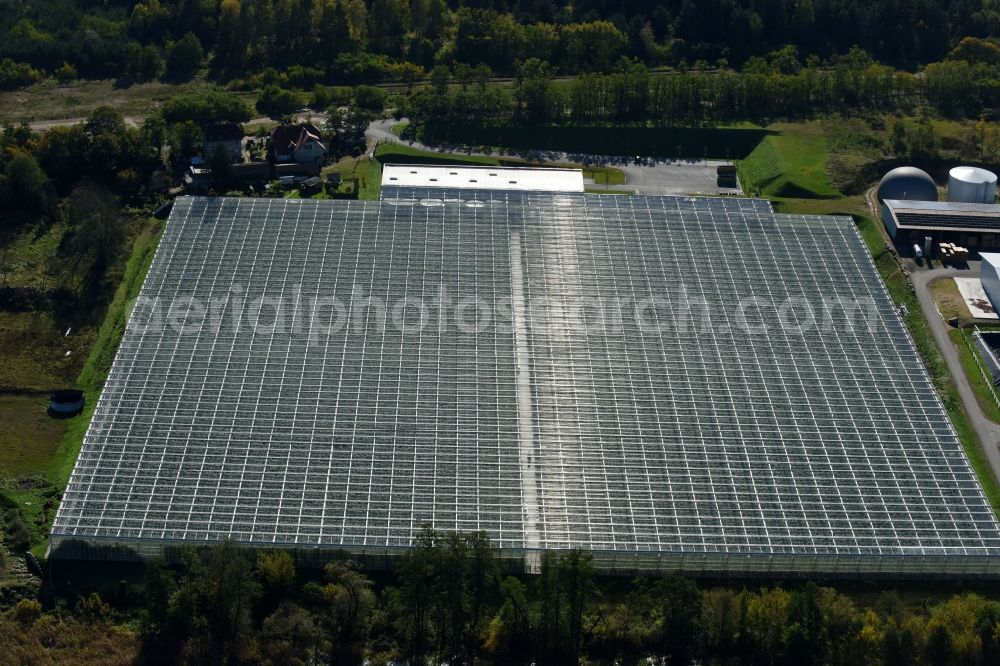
pixel 792 168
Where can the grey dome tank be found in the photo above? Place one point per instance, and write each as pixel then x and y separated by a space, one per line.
pixel 908 184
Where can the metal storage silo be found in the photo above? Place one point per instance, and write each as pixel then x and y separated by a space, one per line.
pixel 968 184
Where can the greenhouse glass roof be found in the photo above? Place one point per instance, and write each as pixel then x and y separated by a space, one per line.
pixel 666 384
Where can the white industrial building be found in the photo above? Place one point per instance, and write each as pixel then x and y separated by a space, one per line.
pixel 989 274
pixel 914 217
pixel 523 179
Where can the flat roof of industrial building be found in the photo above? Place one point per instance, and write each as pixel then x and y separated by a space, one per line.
pixel 944 215
pixel 526 179
pixel 340 374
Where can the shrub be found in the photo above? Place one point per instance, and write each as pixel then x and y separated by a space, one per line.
pixel 369 97
pixel 17 74
pixel 18 539
pixel 206 107
pixel 276 102
pixel 66 73
pixel 27 611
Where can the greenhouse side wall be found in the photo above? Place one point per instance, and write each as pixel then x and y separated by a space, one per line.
pixel 612 563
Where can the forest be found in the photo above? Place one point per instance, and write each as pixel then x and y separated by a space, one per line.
pixel 346 41
pixel 776 86
pixel 452 599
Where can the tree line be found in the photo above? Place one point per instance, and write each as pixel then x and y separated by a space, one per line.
pixel 967 84
pixel 366 40
pixel 451 599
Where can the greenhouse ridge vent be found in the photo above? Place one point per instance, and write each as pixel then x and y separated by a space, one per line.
pixel 660 442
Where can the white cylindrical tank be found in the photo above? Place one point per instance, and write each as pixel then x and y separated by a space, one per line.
pixel 972 185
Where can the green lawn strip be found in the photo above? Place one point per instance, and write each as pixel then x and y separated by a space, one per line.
pixel 600 190
pixel 398 128
pixel 369 174
pixel 789 164
pixel 971 362
pixel 604 175
pixel 850 206
pixel 95 370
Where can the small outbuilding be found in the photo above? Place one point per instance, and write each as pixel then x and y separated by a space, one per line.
pixel 311 186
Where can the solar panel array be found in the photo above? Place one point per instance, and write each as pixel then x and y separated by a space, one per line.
pixel 560 371
pixel 945 215
pixel 949 221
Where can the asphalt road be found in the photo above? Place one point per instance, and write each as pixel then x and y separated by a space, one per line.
pixel 642 176
pixel 987 430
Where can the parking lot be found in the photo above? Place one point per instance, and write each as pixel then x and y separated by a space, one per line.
pixel 666 177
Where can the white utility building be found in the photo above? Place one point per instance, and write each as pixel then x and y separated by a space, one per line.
pixel 989 274
pixel 524 179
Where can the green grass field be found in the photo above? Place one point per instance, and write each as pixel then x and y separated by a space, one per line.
pixel 790 163
pixel 35 349
pixel 29 437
